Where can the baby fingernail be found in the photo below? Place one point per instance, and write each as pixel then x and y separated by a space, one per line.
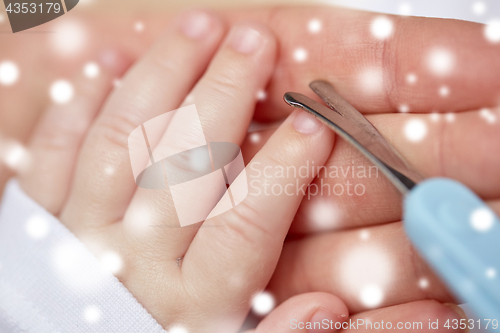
pixel 306 123
pixel 321 321
pixel 245 39
pixel 195 24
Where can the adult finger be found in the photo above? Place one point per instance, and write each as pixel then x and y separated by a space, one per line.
pixel 378 62
pixel 366 268
pixel 420 316
pixel 351 192
pixel 339 46
pixel 104 178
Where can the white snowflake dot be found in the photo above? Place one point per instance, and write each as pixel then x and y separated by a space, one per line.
pixel 92 314
pixel 371 80
pixel 411 78
pixel 111 262
pixel 263 303
pixel 415 130
pixel 404 9
pixel 109 170
pixel 382 27
pixel 91 70
pixel 61 92
pixel 371 296
pixel 364 235
pixel 423 283
pixel 314 26
pixel 482 219
pixel 70 37
pixel 435 117
pixel 177 329
pixel 450 117
pixel 444 91
pixel 487 115
pixel 441 61
pixel 478 8
pixel 9 73
pixel 323 215
pixel 37 227
pixel 255 137
pixel 15 156
pixel 404 108
pixel 139 26
pixel 492 31
pixel 491 273
pixel 300 54
pixel 261 95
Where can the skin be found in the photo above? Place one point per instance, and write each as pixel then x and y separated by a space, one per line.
pixel 452 154
pixel 213 288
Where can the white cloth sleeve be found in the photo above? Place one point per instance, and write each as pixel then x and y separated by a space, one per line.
pixel 49 281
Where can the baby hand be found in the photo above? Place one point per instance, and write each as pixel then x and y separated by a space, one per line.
pixel 201 278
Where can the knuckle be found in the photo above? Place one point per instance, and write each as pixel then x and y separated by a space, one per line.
pixel 285 156
pixel 438 149
pixel 59 136
pixel 418 268
pixel 163 64
pixel 116 129
pixel 245 222
pixel 224 83
pixel 386 49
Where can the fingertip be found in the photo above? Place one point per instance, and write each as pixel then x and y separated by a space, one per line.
pixel 264 30
pixel 456 311
pixel 311 312
pixel 306 123
pixel 250 38
pixel 329 308
pixel 199 23
pixel 114 60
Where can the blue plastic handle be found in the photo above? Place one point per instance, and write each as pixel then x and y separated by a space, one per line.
pixel 459 236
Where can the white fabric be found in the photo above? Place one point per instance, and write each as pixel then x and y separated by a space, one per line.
pixel 49 281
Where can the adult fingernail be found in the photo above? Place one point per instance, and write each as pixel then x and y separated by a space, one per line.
pixel 321 321
pixel 306 123
pixel 458 310
pixel 195 24
pixel 245 39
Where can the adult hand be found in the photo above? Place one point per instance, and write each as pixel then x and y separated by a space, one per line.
pixel 355 246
